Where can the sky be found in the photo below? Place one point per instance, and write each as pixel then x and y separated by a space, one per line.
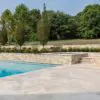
pixel 71 7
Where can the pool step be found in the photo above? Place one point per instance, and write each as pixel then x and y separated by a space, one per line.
pixel 87 60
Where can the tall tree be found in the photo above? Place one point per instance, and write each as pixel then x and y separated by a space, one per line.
pixel 3 33
pixel 7 16
pixel 89 22
pixel 34 16
pixel 21 15
pixel 43 28
pixel 63 26
pixel 20 34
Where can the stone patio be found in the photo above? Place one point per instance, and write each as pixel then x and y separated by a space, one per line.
pixel 79 78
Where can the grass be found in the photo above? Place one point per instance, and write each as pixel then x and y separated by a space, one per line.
pixel 69 42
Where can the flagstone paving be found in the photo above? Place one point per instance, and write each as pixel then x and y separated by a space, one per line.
pixel 79 78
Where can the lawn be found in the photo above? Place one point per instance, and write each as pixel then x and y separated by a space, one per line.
pixel 69 42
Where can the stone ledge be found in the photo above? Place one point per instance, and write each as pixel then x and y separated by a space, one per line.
pixel 51 58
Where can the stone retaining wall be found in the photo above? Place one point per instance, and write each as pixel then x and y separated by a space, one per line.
pixel 51 58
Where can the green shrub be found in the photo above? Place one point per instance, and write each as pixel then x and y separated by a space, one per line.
pixel 64 50
pixel 95 49
pixel 8 50
pixel 44 50
pixel 86 49
pixel 78 49
pixel 35 50
pixel 55 49
pixel 75 49
pixel 13 50
pixel 24 50
pixel 92 49
pixel 70 49
pixel 5 49
pixel 29 50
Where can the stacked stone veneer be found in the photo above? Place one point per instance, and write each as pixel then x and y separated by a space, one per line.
pixel 51 58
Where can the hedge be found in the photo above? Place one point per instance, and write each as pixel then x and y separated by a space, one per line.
pixel 45 50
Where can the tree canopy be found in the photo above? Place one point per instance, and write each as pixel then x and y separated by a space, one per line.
pixel 3 33
pixel 86 24
pixel 43 28
pixel 89 22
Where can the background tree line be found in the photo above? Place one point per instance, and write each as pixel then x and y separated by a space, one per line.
pixel 85 24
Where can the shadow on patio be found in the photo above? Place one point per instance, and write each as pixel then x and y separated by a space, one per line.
pixel 62 96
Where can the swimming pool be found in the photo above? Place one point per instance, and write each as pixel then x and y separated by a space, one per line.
pixel 8 68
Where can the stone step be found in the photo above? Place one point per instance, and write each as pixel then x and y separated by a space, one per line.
pixel 87 60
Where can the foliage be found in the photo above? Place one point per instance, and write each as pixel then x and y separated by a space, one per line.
pixel 52 25
pixel 32 37
pixel 63 26
pixel 43 28
pixel 3 33
pixel 20 33
pixel 55 49
pixel 21 13
pixel 7 16
pixel 45 50
pixel 34 16
pixel 89 22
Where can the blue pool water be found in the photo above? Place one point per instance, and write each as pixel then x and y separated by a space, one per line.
pixel 8 68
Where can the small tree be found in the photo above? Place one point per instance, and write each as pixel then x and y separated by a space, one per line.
pixel 8 17
pixel 3 33
pixel 43 28
pixel 20 34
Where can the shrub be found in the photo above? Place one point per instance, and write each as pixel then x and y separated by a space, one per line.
pixel 86 49
pixel 5 49
pixel 29 50
pixel 70 49
pixel 24 50
pixel 75 49
pixel 44 50
pixel 55 49
pixel 78 49
pixel 13 50
pixel 95 49
pixel 64 50
pixel 35 50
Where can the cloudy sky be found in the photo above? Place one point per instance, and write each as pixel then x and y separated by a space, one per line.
pixel 69 6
